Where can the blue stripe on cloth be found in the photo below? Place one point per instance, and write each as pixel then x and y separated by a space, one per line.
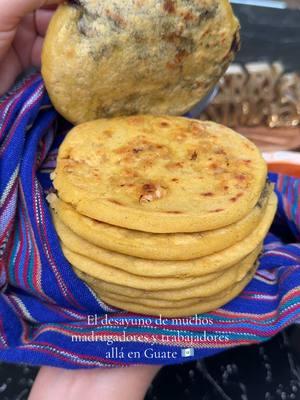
pixel 46 312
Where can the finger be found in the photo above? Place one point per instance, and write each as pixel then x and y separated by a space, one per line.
pixel 113 384
pixel 9 69
pixel 12 11
pixel 42 19
pixel 37 51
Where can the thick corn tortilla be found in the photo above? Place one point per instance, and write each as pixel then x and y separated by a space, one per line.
pixel 117 276
pixel 171 246
pixel 152 302
pixel 176 297
pixel 103 58
pixel 159 174
pixel 201 266
pixel 199 308
pixel 113 275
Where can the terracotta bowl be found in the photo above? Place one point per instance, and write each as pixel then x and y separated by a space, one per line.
pixel 285 162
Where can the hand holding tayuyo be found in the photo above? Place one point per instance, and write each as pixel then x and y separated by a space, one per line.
pixel 157 214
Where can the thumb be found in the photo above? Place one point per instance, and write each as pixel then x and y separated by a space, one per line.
pixel 11 13
pixel 14 10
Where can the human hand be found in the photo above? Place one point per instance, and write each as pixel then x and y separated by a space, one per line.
pixel 106 384
pixel 23 24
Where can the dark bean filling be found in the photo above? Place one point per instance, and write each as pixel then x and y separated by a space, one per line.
pixel 235 45
pixel 75 3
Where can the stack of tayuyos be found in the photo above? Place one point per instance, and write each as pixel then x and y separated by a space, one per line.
pixel 159 215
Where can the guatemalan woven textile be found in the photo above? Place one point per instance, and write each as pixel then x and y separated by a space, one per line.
pixel 49 317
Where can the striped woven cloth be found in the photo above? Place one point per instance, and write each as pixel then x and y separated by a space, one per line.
pixel 49 317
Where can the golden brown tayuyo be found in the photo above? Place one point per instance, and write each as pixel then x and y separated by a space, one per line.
pixel 103 58
pixel 159 174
